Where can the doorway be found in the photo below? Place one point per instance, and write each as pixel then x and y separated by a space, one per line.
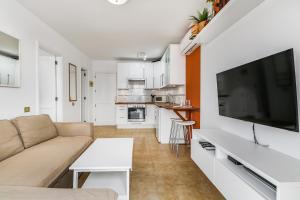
pixel 48 76
pixel 84 83
pixel 104 99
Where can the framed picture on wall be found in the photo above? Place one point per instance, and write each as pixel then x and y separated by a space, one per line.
pixel 72 82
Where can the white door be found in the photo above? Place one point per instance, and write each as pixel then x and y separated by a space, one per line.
pixel 105 95
pixel 48 86
pixel 83 95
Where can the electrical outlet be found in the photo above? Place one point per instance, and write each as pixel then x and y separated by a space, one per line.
pixel 91 83
pixel 26 109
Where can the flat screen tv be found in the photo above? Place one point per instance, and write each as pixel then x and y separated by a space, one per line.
pixel 263 92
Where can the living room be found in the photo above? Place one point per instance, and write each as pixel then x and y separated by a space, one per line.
pixel 151 106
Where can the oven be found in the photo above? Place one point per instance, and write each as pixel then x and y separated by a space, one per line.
pixel 137 113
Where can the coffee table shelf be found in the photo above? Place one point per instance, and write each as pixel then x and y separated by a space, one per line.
pixel 116 181
pixel 109 161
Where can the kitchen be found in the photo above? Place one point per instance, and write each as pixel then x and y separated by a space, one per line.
pixel 148 91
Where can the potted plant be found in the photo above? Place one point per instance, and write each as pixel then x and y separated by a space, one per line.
pixel 203 18
pixel 199 22
pixel 194 27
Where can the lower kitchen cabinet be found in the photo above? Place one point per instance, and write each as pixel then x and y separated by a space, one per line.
pixel 123 122
pixel 121 114
pixel 163 124
pixel 150 116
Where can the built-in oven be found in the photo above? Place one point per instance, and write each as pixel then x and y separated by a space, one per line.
pixel 137 113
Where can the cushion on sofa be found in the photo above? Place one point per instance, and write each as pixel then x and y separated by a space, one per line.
pixel 42 164
pixel 10 141
pixel 32 193
pixel 35 129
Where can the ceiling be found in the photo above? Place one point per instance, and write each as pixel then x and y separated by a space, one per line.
pixel 105 31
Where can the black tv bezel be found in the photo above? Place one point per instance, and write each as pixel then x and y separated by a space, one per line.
pixel 294 85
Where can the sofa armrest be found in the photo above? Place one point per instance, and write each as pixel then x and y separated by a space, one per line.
pixel 75 129
pixel 35 193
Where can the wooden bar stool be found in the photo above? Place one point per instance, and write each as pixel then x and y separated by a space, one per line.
pixel 182 133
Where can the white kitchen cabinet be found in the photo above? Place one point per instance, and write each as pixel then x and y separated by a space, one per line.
pixel 163 124
pixel 121 114
pixel 150 115
pixel 136 71
pixel 122 75
pixel 149 75
pixel 173 66
pixel 157 74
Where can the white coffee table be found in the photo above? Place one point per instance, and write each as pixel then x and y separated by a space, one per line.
pixel 109 162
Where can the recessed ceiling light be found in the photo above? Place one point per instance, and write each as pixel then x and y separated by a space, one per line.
pixel 118 2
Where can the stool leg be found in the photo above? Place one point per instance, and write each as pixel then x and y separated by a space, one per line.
pixel 177 141
pixel 171 138
pixel 175 136
pixel 190 133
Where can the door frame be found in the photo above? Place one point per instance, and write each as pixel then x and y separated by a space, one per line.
pixel 84 86
pixel 59 81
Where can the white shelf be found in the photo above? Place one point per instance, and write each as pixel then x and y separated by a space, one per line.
pixel 272 165
pixel 253 182
pixel 234 11
pixel 229 15
pixel 110 180
pixel 234 181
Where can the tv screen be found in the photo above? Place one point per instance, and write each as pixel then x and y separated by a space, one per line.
pixel 262 92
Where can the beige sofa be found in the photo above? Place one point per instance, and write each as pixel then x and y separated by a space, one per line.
pixel 35 152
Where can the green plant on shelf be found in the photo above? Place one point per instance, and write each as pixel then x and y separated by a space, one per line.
pixel 202 16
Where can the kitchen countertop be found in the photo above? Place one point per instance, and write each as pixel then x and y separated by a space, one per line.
pixel 161 105
pixel 125 103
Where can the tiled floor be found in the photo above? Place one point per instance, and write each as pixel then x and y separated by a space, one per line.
pixel 158 174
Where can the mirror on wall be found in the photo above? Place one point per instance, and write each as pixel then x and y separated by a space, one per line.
pixel 9 61
pixel 72 82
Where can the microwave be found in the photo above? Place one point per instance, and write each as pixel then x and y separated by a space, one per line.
pixel 160 99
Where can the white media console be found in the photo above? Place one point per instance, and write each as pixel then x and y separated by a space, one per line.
pixel 235 182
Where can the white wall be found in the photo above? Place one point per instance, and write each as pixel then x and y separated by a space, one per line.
pixel 105 66
pixel 270 28
pixel 18 22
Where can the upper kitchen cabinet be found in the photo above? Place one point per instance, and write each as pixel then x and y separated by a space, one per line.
pixel 149 75
pixel 173 66
pixel 157 71
pixel 123 73
pixel 133 72
pixel 136 71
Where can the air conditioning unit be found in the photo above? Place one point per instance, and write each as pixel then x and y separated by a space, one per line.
pixel 188 44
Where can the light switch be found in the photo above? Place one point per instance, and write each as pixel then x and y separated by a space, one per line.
pixel 26 109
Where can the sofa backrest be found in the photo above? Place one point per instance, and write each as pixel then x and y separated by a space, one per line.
pixel 10 141
pixel 35 129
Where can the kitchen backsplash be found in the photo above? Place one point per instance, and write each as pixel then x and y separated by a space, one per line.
pixel 176 94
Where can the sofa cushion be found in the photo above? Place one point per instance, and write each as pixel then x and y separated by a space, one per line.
pixel 35 129
pixel 33 193
pixel 10 141
pixel 42 164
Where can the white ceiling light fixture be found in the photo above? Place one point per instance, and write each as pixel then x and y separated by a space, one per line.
pixel 117 2
pixel 142 55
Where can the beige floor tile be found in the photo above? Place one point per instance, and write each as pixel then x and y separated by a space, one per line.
pixel 157 173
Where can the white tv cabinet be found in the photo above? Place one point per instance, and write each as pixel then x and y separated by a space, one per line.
pixel 234 181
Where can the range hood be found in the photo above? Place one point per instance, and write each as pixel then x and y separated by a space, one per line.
pixel 136 83
pixel 136 79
